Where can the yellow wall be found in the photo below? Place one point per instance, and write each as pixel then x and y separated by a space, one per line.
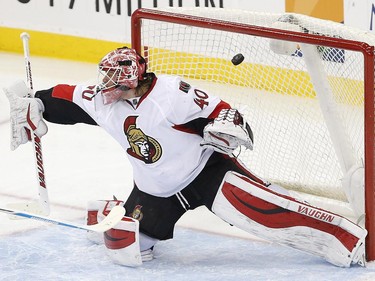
pixel 323 9
pixel 56 45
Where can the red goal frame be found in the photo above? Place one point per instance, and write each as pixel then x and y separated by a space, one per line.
pixel 364 48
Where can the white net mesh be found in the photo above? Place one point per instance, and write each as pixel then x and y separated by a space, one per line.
pixel 292 145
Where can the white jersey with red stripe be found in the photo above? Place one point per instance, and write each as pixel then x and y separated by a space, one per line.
pixel 165 153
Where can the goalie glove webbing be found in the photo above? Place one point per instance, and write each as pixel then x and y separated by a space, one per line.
pixel 227 132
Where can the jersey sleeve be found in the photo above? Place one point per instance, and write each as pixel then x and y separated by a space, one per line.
pixel 191 103
pixel 192 107
pixel 60 108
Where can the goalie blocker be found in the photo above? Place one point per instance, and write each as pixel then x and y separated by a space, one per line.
pixel 256 209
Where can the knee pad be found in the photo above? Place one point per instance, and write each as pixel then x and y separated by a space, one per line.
pixel 128 247
pixel 97 210
pixel 122 243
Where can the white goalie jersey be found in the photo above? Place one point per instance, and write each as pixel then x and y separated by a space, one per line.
pixel 149 127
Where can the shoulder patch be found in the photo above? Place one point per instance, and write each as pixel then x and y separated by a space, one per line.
pixel 185 87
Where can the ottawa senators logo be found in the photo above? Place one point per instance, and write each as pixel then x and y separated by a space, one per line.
pixel 137 213
pixel 142 147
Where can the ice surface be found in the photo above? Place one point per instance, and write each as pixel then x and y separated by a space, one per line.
pixel 83 163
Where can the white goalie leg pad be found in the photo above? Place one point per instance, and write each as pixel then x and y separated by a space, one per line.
pixel 97 210
pixel 282 219
pixel 122 243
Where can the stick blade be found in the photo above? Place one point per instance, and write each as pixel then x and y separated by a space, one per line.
pixel 32 207
pixel 114 216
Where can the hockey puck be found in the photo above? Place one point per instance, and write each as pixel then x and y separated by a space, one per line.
pixel 237 59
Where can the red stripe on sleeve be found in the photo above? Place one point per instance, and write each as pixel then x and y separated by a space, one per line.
pixel 64 92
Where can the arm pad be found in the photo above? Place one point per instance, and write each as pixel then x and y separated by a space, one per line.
pixel 61 111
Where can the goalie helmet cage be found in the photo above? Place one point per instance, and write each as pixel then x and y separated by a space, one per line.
pixel 310 103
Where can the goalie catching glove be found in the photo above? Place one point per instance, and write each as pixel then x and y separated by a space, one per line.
pixel 227 132
pixel 25 114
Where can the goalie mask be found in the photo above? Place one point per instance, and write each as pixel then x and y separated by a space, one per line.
pixel 120 70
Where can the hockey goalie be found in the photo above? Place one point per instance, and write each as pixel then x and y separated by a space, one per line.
pixel 180 141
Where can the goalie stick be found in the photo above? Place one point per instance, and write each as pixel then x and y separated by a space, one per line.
pixel 43 206
pixel 114 216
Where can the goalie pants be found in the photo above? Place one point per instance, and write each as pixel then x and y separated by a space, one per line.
pixel 158 215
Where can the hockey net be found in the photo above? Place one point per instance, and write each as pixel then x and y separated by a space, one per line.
pixel 310 104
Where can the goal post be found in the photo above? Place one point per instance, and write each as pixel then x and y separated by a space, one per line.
pixel 306 87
